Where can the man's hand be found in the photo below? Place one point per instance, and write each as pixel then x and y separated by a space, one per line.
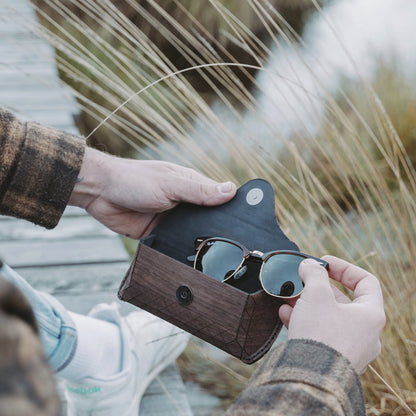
pixel 323 313
pixel 130 196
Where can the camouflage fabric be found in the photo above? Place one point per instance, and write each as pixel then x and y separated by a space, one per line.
pixel 38 169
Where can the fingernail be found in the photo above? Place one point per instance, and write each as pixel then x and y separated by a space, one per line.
pixel 306 265
pixel 310 262
pixel 226 187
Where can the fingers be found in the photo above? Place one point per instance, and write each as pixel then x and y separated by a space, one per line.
pixel 285 311
pixel 366 287
pixel 316 280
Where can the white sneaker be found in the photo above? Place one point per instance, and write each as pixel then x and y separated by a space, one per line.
pixel 149 345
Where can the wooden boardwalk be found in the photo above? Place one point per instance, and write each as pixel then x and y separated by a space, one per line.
pixel 80 262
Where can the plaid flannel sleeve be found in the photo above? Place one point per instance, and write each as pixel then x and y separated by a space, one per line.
pixel 38 170
pixel 302 377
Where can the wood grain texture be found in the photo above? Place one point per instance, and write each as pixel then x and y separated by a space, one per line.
pixel 240 324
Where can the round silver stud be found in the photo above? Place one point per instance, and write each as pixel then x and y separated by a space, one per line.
pixel 254 196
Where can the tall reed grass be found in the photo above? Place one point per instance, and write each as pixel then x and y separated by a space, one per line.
pixel 347 188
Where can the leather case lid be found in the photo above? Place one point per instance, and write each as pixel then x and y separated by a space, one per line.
pixel 248 218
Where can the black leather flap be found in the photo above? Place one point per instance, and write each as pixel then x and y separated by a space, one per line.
pixel 248 218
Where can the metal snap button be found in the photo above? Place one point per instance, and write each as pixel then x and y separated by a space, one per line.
pixel 254 196
pixel 184 295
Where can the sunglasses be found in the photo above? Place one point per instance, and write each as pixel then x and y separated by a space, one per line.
pixel 224 259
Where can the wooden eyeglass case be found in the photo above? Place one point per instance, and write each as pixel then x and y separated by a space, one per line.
pixel 237 317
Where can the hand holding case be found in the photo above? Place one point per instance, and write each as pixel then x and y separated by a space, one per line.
pixel 239 318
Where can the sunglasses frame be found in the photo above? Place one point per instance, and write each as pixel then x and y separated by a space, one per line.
pixel 200 242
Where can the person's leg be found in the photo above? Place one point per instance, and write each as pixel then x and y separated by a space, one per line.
pixel 56 327
pixel 107 360
pixel 76 346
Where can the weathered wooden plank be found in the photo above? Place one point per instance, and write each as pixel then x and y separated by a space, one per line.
pixel 49 117
pixel 163 396
pixel 68 228
pixel 7 14
pixel 17 6
pixel 78 251
pixel 45 109
pixel 38 71
pixel 46 96
pixel 16 80
pixel 15 28
pixel 17 20
pixel 39 93
pixel 32 50
pixel 17 9
pixel 41 100
pixel 204 403
pixel 77 279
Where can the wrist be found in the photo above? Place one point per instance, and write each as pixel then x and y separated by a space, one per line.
pixel 91 179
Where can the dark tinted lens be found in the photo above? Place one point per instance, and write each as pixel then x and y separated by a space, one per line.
pixel 218 259
pixel 280 276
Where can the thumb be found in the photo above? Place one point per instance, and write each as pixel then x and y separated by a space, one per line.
pixel 203 191
pixel 316 280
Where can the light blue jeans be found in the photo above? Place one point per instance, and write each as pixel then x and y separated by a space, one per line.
pixel 57 330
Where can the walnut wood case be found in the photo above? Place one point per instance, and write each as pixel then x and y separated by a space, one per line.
pixel 237 317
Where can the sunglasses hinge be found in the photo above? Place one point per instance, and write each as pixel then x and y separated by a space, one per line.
pixel 256 253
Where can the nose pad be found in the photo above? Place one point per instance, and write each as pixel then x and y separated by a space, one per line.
pixel 240 273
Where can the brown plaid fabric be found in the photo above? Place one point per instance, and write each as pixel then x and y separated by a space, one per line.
pixel 38 169
pixel 27 385
pixel 302 377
